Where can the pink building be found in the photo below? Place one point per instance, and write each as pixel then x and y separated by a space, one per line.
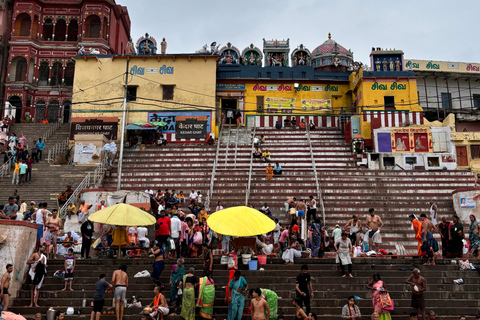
pixel 45 36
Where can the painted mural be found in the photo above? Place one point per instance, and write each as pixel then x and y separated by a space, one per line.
pixel 301 56
pixel 411 140
pixel 252 56
pixel 229 55
pixel 146 45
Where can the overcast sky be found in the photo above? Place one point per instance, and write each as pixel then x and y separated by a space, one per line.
pixel 423 29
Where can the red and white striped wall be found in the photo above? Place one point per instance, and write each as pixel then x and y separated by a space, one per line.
pixel 319 121
pixel 393 118
pixel 171 138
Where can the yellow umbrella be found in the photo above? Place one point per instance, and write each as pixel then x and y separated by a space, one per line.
pixel 122 215
pixel 240 222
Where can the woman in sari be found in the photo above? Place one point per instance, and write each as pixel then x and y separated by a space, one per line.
pixel 444 228
pixel 158 265
pixel 272 301
pixel 316 229
pixel 378 288
pixel 269 171
pixel 188 283
pixel 474 240
pixel 206 296
pixel 178 271
pixel 237 287
pixel 455 248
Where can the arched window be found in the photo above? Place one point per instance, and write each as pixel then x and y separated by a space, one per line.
pixel 57 74
pixel 92 27
pixel 18 69
pixel 23 23
pixel 53 111
pixel 43 74
pixel 31 70
pixel 73 30
pixel 69 73
pixel 35 27
pixel 40 108
pixel 105 28
pixel 60 30
pixel 48 29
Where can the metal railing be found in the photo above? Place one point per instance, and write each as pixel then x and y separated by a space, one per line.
pixel 59 148
pixel 228 143
pixel 214 169
pixel 319 190
pixel 5 168
pixel 99 173
pixel 247 192
pixel 236 147
pixel 73 198
pixel 51 131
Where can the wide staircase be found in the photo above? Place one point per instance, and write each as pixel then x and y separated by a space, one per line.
pixel 48 180
pixel 178 167
pixel 447 299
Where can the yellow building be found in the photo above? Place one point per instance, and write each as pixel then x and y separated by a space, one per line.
pixel 178 90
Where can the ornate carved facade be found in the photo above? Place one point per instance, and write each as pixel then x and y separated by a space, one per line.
pixel 45 38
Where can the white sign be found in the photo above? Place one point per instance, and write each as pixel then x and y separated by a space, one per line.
pixel 317 88
pixel 152 70
pixel 452 65
pixel 467 203
pixel 272 88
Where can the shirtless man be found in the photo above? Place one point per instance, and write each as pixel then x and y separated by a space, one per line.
pixel 33 261
pixel 418 285
pixel 428 228
pixel 374 224
pixel 290 202
pixel 258 305
pixel 54 223
pixel 4 295
pixel 355 229
pixel 120 283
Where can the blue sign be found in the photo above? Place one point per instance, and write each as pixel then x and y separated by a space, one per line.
pixel 230 86
pixel 170 119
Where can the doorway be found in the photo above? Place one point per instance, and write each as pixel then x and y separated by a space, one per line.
pixel 462 159
pixel 229 109
pixel 16 103
pixel 66 111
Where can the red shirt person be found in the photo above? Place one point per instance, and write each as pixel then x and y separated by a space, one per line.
pixel 163 229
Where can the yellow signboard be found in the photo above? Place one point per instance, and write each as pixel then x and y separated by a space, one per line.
pixel 445 66
pixel 279 103
pixel 317 104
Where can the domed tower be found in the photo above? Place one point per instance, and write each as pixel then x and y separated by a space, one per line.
pixel 331 56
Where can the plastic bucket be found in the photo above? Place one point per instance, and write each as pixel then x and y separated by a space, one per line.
pixel 252 265
pixel 245 260
pixel 262 259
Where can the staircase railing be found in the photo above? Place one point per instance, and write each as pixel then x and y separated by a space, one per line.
pixel 59 148
pixel 74 197
pixel 228 143
pixel 236 147
pixel 214 170
pixel 51 131
pixel 5 168
pixel 319 190
pixel 247 192
pixel 99 173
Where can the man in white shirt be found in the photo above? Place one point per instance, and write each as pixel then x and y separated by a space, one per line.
pixel 142 236
pixel 175 229
pixel 276 232
pixel 193 197
pixel 149 191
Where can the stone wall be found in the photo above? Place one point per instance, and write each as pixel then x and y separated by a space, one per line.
pixel 464 213
pixel 17 248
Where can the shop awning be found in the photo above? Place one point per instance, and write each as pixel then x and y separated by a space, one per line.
pixel 137 127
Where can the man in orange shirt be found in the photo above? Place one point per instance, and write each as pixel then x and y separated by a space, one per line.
pixel 417 228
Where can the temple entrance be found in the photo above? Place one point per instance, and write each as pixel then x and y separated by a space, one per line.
pixel 229 109
pixel 16 103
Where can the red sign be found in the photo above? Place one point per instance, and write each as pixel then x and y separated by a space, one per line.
pixel 420 142
pixel 401 142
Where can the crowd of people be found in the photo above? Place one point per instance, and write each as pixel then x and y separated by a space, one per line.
pixel 181 234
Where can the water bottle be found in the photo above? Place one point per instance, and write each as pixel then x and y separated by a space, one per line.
pixel 84 303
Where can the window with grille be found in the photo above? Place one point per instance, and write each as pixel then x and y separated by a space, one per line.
pixel 439 142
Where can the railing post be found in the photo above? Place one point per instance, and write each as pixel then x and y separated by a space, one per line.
pixel 247 193
pixel 214 169
pixel 319 190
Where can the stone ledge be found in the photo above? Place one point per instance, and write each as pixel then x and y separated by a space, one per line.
pixel 19 223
